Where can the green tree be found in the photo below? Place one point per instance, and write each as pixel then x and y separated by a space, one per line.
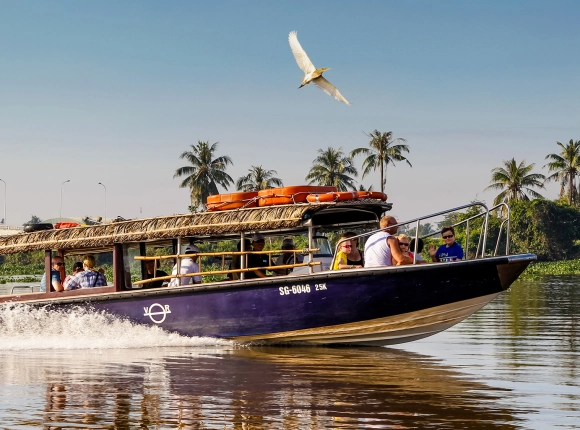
pixel 566 166
pixel 258 179
pixel 33 220
pixel 332 167
pixel 515 182
pixel 384 149
pixel 204 173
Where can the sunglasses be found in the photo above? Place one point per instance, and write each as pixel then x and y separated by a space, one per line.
pixel 347 246
pixel 59 264
pixel 403 244
pixel 449 236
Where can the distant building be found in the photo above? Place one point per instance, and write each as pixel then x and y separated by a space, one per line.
pixel 7 230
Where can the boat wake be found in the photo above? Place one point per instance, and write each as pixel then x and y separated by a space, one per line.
pixel 24 327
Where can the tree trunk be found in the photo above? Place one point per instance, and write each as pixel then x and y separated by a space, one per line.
pixel 382 180
pixel 570 189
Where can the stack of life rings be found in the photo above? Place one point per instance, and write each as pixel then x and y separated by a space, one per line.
pixel 287 196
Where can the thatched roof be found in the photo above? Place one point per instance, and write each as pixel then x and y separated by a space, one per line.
pixel 169 227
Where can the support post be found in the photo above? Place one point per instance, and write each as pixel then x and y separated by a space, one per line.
pixel 310 246
pixel 47 269
pixel 143 253
pixel 118 267
pixel 178 261
pixel 62 269
pixel 243 256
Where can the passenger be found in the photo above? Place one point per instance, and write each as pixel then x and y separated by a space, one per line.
pixel 287 258
pixel 150 266
pixel 89 278
pixel 188 265
pixel 449 251
pixel 341 260
pixel 382 247
pixel 55 282
pixel 420 245
pixel 236 260
pixel 257 260
pixel 356 256
pixel 77 268
pixel 406 248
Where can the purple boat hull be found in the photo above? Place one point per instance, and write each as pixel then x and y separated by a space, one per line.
pixel 368 306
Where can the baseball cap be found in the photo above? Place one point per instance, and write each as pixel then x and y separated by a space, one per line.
pixel 191 249
pixel 257 237
pixel 288 242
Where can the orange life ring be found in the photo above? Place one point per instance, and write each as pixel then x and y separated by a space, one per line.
pixel 66 224
pixel 226 202
pixel 346 195
pixel 362 194
pixel 377 195
pixel 321 198
pixel 290 195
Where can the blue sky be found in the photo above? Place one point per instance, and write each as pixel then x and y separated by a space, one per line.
pixel 113 92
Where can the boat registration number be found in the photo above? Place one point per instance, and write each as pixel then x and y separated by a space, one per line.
pixel 300 289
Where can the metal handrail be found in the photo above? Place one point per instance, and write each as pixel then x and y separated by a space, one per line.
pixel 479 242
pixel 22 286
pixel 418 223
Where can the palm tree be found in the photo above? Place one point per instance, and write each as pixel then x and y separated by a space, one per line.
pixel 515 181
pixel 384 150
pixel 566 166
pixel 258 179
pixel 332 167
pixel 205 173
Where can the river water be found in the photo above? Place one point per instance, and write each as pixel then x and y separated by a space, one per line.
pixel 514 364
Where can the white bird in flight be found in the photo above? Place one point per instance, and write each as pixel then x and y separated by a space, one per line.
pixel 313 74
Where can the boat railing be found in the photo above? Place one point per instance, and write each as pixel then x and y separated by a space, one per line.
pixel 482 238
pixel 223 255
pixel 481 247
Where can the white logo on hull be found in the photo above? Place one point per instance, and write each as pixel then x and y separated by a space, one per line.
pixel 157 312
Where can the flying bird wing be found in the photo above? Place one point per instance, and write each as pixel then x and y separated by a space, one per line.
pixel 329 89
pixel 301 58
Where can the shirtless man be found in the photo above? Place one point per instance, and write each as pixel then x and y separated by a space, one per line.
pixel 382 248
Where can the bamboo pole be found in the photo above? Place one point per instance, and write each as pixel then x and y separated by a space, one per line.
pixel 224 272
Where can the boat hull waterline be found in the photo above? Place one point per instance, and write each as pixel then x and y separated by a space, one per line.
pixel 373 306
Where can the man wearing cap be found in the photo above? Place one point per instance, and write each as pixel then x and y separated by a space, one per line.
pixel 257 260
pixel 188 265
pixel 287 257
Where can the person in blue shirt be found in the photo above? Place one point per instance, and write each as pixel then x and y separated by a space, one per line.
pixel 55 281
pixel 451 251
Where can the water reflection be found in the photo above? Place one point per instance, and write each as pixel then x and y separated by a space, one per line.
pixel 254 387
pixel 512 365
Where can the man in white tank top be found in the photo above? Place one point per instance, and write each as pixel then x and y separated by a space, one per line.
pixel 382 248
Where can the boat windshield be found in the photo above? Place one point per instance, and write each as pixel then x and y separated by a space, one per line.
pixel 323 243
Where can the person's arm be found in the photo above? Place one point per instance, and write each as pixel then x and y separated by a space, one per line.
pixel 396 253
pixel 433 253
pixel 260 274
pixel 72 284
pixel 56 283
pixel 349 266
pixel 340 260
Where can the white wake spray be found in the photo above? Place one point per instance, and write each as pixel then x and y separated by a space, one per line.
pixel 25 327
